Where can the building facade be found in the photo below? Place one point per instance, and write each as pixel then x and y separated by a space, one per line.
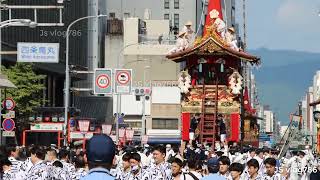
pixel 80 56
pixel 177 12
pixel 146 57
pixel 269 118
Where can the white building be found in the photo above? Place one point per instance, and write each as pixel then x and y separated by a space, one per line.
pixel 307 113
pixel 133 42
pixel 262 121
pixel 146 57
pixel 269 119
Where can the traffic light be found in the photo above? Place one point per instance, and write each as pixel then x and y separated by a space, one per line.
pixel 146 92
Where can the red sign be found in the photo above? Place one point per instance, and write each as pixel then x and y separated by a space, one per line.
pixel 106 129
pixel 144 139
pixel 129 134
pixel 185 126
pixel 122 132
pixel 103 81
pixel 123 77
pixel 9 104
pixel 235 127
pixel 84 125
pixel 8 125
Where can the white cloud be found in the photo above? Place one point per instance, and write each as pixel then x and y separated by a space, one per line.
pixel 298 13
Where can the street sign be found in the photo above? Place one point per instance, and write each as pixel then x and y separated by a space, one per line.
pixel 106 129
pixel 144 139
pixel 79 135
pixel 102 81
pixel 8 134
pixel 9 104
pixel 129 134
pixel 8 124
pixel 6 116
pixel 38 52
pixel 12 114
pixel 123 81
pixel 47 127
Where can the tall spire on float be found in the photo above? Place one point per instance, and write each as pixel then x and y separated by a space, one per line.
pixel 213 4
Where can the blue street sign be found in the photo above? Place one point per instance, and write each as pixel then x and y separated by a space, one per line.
pixel 8 124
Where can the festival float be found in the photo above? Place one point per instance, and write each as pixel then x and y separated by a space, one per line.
pixel 212 84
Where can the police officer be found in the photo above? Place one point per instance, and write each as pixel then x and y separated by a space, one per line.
pixel 100 154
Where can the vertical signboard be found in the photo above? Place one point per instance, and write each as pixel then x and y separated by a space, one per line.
pixel 102 81
pixel 123 81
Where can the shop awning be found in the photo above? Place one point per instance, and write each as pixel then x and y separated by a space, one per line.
pixel 5 82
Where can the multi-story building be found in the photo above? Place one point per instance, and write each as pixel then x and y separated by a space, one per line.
pixel 307 115
pixel 141 44
pixel 178 12
pixel 261 120
pixel 146 58
pixel 81 57
pixel 269 118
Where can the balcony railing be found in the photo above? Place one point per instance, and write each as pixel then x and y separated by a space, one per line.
pixel 157 40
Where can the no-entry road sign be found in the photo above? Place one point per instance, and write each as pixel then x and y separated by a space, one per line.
pixel 102 81
pixel 123 81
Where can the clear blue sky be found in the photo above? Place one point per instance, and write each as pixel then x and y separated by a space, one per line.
pixel 282 24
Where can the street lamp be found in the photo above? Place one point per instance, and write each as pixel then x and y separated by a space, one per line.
pixel 7 23
pixel 67 88
pixel 143 119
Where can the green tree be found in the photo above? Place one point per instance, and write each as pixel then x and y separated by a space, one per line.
pixel 28 93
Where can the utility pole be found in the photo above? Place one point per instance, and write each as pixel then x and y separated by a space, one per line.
pixel 11 9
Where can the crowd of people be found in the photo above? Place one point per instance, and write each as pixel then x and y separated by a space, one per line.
pixel 102 159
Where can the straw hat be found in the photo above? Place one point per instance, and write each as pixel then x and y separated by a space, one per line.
pixel 232 29
pixel 189 23
pixel 181 34
pixel 214 14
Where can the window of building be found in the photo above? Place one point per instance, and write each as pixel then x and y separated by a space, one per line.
pixel 164 123
pixel 176 4
pixel 126 15
pixel 176 20
pixel 166 4
pixel 166 17
pixel 112 15
pixel 133 124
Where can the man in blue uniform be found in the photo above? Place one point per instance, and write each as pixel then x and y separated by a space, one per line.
pixel 100 154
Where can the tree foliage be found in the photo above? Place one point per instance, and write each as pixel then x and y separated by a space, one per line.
pixel 28 93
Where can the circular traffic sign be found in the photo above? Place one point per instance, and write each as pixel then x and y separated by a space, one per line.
pixel 103 81
pixel 9 104
pixel 316 115
pixel 123 77
pixel 8 124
